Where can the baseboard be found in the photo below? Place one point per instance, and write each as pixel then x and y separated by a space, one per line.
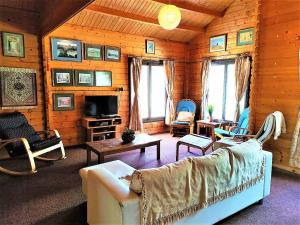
pixel 287 168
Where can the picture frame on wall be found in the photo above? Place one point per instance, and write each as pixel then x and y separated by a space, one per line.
pixel 66 50
pixel 18 87
pixel 218 43
pixel 150 47
pixel 245 36
pixel 112 53
pixel 62 77
pixel 13 44
pixel 63 102
pixel 93 52
pixel 103 78
pixel 84 78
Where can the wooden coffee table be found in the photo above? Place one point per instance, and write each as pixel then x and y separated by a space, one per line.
pixel 116 145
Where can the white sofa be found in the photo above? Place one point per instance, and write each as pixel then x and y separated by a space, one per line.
pixel 111 202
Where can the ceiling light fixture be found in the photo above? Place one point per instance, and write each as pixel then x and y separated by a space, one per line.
pixel 169 17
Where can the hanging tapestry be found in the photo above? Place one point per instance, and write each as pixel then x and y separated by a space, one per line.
pixel 18 87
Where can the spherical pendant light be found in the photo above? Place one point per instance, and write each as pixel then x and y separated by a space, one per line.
pixel 169 17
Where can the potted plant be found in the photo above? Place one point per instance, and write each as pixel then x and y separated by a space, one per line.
pixel 128 135
pixel 210 110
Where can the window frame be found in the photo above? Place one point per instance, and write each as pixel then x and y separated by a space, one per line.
pixel 149 63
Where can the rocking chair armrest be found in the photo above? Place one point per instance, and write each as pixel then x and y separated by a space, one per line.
pixel 48 132
pixel 8 141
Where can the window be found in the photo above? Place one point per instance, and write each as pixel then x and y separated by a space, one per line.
pixel 222 89
pixel 152 91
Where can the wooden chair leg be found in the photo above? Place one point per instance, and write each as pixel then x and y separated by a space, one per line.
pixel 63 155
pixel 177 151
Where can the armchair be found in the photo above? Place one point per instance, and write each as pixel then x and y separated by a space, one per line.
pixel 238 128
pixel 18 137
pixel 184 118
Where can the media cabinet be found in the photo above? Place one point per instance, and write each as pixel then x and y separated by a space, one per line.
pixel 100 129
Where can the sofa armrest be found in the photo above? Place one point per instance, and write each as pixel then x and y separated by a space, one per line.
pixel 268 173
pixel 107 191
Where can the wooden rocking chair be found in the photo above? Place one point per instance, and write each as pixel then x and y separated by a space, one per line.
pixel 18 137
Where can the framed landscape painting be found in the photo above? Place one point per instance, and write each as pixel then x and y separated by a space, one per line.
pixel 13 44
pixel 66 50
pixel 62 77
pixel 218 43
pixel 150 47
pixel 245 37
pixel 84 77
pixel 112 53
pixel 63 102
pixel 93 52
pixel 103 78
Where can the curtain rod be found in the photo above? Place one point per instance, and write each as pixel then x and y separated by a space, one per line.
pixel 230 56
pixel 151 57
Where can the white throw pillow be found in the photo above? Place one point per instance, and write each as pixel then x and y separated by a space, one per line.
pixel 185 116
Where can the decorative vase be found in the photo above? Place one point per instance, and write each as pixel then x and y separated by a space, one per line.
pixel 210 118
pixel 128 135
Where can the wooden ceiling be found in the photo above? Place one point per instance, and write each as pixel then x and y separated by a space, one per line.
pixel 139 17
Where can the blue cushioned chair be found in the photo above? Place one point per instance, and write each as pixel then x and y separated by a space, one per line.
pixel 19 138
pixel 179 126
pixel 240 128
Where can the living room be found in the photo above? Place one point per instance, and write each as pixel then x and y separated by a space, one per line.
pixel 119 48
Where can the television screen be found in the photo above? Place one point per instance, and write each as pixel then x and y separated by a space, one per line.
pixel 101 106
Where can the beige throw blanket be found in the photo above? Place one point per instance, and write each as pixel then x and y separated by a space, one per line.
pixel 179 189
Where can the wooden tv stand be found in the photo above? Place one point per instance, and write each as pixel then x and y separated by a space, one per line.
pixel 100 129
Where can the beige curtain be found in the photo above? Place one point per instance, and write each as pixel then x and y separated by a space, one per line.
pixel 242 73
pixel 205 71
pixel 170 73
pixel 136 121
pixel 295 149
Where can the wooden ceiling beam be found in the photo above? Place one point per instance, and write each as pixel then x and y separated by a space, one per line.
pixel 192 7
pixel 56 12
pixel 130 16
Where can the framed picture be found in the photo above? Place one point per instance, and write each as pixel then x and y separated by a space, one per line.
pixel 13 44
pixel 63 102
pixel 62 77
pixel 150 47
pixel 103 78
pixel 66 50
pixel 112 53
pixel 218 43
pixel 18 87
pixel 245 37
pixel 84 77
pixel 93 52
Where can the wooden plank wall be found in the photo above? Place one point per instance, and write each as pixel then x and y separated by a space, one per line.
pixel 239 15
pixel 24 22
pixel 277 80
pixel 69 123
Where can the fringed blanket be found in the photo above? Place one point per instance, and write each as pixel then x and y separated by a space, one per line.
pixel 179 189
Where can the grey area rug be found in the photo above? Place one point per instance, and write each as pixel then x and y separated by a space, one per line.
pixel 53 196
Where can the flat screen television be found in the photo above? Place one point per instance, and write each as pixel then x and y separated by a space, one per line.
pixel 101 106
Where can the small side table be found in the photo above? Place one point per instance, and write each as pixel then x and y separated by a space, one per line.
pixel 211 125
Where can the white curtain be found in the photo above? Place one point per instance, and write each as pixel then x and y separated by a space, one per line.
pixel 136 121
pixel 242 73
pixel 205 71
pixel 169 66
pixel 295 149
